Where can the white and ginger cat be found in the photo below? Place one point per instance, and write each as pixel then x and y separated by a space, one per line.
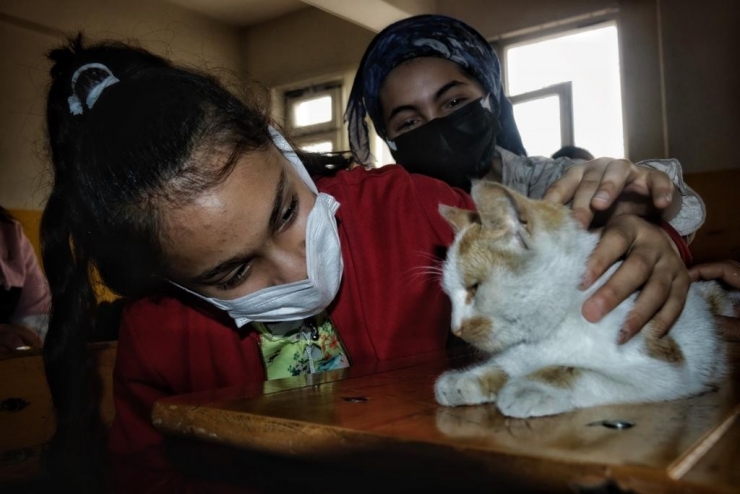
pixel 512 275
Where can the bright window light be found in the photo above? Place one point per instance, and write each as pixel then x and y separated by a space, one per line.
pixel 588 58
pixel 319 147
pixel 312 111
pixel 539 125
pixel 383 154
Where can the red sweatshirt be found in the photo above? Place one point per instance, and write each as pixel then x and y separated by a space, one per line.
pixel 388 305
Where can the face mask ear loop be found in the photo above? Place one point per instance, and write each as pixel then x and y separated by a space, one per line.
pixel 282 144
pixel 75 105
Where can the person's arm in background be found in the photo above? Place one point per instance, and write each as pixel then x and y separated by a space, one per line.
pixel 650 188
pixel 621 189
pixel 728 273
pixel 30 320
pixel 616 189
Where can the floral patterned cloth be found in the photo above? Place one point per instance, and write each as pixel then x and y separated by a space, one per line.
pixel 313 345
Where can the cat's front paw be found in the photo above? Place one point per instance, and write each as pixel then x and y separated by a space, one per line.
pixel 523 398
pixel 455 388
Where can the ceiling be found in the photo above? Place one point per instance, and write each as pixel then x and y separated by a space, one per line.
pixel 241 12
pixel 371 14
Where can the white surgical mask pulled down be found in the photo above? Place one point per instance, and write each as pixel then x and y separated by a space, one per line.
pixel 324 265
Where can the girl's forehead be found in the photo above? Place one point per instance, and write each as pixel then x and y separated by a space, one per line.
pixel 419 76
pixel 238 207
pixel 426 66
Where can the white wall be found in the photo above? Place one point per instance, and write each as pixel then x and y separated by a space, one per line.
pixel 306 44
pixel 701 49
pixel 28 29
pixel 494 18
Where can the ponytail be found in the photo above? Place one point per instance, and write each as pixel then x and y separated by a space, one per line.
pixel 129 132
pixel 75 458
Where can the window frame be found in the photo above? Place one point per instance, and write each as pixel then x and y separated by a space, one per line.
pixel 294 97
pixel 593 20
pixel 316 137
pixel 564 93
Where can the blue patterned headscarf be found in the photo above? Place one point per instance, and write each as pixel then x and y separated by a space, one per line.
pixel 424 36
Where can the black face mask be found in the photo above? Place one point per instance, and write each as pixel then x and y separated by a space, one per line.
pixel 454 149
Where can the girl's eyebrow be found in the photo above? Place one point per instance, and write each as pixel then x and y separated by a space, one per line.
pixel 277 204
pixel 210 273
pixel 441 91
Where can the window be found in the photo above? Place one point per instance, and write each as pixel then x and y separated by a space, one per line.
pixel 566 91
pixel 313 116
pixel 545 118
pixel 381 153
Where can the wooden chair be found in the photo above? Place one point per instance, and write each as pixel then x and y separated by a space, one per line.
pixel 26 412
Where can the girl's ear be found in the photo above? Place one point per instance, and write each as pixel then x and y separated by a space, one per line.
pixel 502 209
pixel 458 218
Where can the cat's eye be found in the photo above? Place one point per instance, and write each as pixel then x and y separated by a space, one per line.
pixel 472 290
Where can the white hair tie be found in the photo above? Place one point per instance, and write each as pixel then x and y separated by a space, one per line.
pixel 75 105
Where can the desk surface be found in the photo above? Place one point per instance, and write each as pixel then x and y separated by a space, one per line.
pixel 388 411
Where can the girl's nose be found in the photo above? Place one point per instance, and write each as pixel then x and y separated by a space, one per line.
pixel 288 266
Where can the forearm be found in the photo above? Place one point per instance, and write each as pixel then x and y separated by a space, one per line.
pixel 533 176
pixel 38 323
pixel 687 211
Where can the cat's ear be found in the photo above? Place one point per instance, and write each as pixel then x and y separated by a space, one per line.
pixel 458 218
pixel 503 209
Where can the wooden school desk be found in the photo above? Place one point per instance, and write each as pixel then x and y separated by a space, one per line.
pixel 382 423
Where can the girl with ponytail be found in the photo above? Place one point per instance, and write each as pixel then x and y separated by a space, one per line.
pixel 228 248
pixel 108 165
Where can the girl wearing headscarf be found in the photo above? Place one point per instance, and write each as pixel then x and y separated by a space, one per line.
pixel 479 139
pixel 439 37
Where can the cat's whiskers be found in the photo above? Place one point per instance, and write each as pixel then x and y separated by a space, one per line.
pixel 430 257
pixel 425 273
pixel 430 273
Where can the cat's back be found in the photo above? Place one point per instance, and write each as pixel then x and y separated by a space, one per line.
pixel 695 332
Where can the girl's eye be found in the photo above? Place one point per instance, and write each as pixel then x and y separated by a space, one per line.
pixel 239 274
pixel 407 125
pixel 235 279
pixel 455 102
pixel 289 214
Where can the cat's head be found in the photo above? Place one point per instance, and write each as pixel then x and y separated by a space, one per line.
pixel 514 267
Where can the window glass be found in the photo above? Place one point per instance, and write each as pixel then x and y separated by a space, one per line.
pixel 381 154
pixel 590 59
pixel 319 147
pixel 313 111
pixel 539 125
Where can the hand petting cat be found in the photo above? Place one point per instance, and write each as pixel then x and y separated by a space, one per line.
pixel 727 272
pixel 618 193
pixel 651 264
pixel 614 187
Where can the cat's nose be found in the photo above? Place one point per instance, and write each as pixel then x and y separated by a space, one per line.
pixel 457 330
